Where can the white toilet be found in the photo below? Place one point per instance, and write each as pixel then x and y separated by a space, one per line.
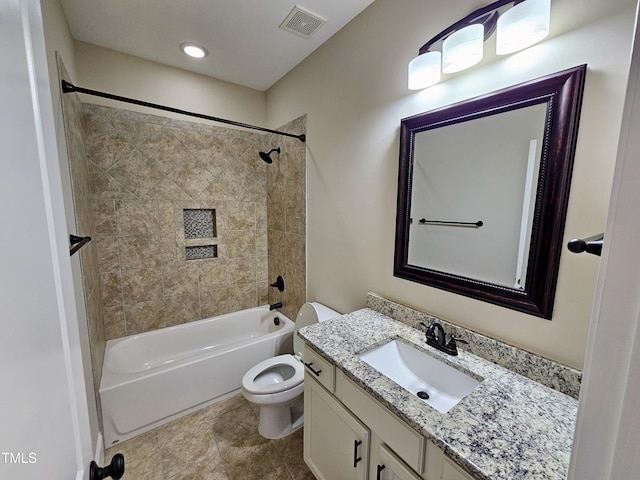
pixel 276 384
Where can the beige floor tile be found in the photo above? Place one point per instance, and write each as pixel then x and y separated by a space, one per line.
pixel 238 429
pixel 186 442
pixel 141 457
pixel 290 449
pixel 208 470
pixel 225 406
pixel 254 462
pixel 220 442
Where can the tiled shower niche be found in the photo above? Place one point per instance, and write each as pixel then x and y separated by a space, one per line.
pixel 199 223
pixel 199 233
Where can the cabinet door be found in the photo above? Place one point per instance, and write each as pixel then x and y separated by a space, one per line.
pixel 453 472
pixel 336 444
pixel 392 468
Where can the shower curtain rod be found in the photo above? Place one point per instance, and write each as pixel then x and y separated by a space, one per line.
pixel 69 87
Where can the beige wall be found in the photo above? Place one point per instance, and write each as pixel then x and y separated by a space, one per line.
pixel 354 91
pixel 121 74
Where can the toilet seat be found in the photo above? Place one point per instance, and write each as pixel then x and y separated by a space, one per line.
pixel 248 380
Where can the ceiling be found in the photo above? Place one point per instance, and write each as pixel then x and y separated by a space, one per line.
pixel 245 44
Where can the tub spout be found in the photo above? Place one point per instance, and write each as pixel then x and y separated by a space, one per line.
pixel 273 306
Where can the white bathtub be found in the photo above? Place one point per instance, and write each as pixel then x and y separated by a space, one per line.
pixel 155 377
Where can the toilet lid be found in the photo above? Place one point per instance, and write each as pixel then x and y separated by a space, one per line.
pixel 248 379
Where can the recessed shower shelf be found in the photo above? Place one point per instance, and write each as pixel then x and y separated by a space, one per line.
pixel 200 252
pixel 200 240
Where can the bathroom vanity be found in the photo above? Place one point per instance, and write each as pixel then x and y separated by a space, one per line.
pixel 348 434
pixel 360 424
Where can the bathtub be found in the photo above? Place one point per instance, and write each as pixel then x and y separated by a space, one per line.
pixel 155 377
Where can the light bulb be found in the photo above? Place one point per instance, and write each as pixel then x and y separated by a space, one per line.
pixel 193 50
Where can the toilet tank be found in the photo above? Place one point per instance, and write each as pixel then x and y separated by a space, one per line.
pixel 310 313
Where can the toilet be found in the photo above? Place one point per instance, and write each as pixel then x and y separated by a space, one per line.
pixel 276 384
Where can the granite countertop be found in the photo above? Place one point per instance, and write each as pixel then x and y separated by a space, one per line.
pixel 507 428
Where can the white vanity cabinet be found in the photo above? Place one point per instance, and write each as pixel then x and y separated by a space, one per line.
pixel 336 443
pixel 349 435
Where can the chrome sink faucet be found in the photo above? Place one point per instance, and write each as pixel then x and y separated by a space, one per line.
pixel 436 338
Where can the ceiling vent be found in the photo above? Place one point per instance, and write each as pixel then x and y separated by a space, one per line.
pixel 302 22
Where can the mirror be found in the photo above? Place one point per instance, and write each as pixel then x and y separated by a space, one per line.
pixel 483 187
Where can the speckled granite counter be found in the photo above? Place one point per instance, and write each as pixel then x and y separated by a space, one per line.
pixel 508 428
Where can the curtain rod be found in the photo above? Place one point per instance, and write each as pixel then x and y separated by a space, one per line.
pixel 69 87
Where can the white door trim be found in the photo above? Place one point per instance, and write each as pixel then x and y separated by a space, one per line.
pixel 44 127
pixel 607 433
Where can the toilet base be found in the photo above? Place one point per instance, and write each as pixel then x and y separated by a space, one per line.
pixel 278 421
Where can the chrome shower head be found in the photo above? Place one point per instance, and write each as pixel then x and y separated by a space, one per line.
pixel 267 156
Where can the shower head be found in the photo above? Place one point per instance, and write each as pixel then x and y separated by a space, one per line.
pixel 267 156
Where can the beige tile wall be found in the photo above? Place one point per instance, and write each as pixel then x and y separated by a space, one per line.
pixel 286 212
pixel 144 171
pixel 73 119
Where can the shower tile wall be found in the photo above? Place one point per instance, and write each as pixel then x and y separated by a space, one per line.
pixel 286 211
pixel 73 120
pixel 144 171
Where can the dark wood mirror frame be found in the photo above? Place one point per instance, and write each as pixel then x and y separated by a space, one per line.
pixel 562 92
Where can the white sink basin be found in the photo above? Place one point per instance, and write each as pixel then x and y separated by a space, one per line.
pixel 417 371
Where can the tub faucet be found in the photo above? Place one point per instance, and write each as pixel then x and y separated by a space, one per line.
pixel 274 306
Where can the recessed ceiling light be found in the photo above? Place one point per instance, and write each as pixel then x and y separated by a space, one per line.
pixel 193 50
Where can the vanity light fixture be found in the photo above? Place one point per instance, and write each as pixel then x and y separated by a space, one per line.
pixel 518 23
pixel 193 50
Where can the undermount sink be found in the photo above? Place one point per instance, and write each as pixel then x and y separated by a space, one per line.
pixel 436 383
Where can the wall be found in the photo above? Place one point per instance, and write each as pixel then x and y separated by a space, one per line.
pixel 145 170
pixel 114 72
pixel 84 226
pixel 353 134
pixel 287 218
pixel 121 74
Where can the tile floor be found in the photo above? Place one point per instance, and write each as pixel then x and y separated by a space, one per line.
pixel 220 442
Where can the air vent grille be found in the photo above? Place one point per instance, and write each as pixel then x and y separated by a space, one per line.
pixel 302 22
